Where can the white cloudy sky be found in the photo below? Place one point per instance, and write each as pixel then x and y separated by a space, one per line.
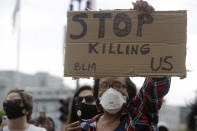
pixel 42 31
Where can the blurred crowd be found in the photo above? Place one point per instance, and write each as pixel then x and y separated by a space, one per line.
pixel 18 107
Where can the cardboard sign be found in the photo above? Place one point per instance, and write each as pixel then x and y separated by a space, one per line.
pixel 125 43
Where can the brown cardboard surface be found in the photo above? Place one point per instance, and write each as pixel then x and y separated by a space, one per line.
pixel 158 50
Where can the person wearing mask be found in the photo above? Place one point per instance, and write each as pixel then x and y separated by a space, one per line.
pixel 132 92
pixel 124 109
pixel 121 111
pixel 83 106
pixel 18 106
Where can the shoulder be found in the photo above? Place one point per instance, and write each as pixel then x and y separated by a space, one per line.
pixel 35 128
pixel 90 123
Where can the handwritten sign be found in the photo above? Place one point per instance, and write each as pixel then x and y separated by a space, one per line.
pixel 125 43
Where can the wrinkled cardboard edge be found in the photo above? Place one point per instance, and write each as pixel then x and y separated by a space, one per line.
pixel 75 77
pixel 130 74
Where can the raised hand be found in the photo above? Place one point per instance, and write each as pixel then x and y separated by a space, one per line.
pixel 143 6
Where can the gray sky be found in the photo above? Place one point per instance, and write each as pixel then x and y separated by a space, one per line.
pixel 42 34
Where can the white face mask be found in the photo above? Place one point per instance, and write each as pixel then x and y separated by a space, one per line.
pixel 112 100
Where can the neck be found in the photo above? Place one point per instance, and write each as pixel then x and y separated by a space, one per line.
pixel 111 117
pixel 18 123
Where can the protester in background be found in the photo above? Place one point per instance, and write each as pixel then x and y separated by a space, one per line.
pixel 51 123
pixel 162 126
pixel 192 117
pixel 83 106
pixel 18 106
pixel 45 122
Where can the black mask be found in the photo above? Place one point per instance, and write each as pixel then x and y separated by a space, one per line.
pixel 13 109
pixel 85 111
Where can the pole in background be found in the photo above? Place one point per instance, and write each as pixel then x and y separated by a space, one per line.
pixel 79 6
pixel 90 4
pixel 71 5
pixel 17 25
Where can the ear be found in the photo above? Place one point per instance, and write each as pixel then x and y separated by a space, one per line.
pixel 25 112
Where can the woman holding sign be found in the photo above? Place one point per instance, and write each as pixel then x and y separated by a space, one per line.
pixel 121 112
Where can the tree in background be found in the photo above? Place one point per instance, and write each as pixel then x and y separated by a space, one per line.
pixel 2 113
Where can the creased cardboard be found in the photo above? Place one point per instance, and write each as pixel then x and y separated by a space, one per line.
pixel 125 43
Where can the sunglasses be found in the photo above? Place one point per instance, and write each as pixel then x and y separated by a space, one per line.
pixel 88 99
pixel 115 85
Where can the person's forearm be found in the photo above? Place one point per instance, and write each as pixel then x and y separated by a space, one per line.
pixel 162 85
pixel 152 92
